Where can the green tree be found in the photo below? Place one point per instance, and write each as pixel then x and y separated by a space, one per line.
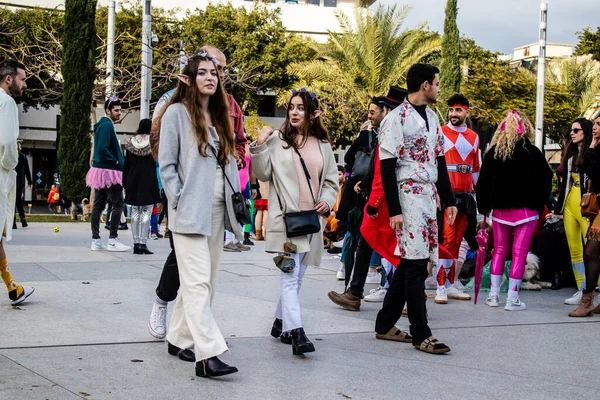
pixel 360 62
pixel 450 74
pixel 589 43
pixel 78 72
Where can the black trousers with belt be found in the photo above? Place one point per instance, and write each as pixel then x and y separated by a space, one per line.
pixel 168 285
pixel 407 287
pixel 19 203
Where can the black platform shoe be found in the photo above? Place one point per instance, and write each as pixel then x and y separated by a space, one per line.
pixel 24 223
pixel 144 249
pixel 136 248
pixel 277 328
pixel 247 241
pixel 183 354
pixel 300 343
pixel 286 338
pixel 212 367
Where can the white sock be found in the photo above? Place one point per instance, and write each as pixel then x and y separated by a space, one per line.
pixel 161 302
pixel 496 280
pixel 513 289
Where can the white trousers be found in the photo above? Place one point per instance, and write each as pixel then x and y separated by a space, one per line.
pixel 288 306
pixel 198 256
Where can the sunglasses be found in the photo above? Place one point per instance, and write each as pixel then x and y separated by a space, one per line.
pixel 575 130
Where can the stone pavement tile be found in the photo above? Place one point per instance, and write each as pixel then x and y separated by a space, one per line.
pixel 27 272
pixel 353 365
pixel 120 270
pixel 70 312
pixel 18 382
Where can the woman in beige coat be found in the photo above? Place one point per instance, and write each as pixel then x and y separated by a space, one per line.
pixel 277 158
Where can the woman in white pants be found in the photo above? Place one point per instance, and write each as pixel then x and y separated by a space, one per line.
pixel 299 165
pixel 196 155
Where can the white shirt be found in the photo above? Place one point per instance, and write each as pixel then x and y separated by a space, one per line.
pixel 9 132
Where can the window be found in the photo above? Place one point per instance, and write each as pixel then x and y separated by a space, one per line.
pixel 330 3
pixel 314 2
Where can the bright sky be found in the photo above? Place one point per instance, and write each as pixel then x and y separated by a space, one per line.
pixel 501 25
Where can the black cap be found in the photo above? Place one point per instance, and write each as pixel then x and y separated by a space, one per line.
pixel 378 101
pixel 395 97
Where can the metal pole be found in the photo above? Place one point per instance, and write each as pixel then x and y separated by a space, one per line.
pixel 146 92
pixel 541 77
pixel 110 48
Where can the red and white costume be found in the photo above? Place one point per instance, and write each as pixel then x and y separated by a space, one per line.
pixel 461 149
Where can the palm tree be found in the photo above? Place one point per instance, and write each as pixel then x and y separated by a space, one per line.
pixel 362 61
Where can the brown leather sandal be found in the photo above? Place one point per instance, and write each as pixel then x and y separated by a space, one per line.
pixel 395 335
pixel 433 346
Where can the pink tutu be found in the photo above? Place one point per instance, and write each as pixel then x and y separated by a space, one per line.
pixel 100 178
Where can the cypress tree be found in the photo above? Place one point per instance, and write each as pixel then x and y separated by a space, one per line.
pixel 450 66
pixel 78 69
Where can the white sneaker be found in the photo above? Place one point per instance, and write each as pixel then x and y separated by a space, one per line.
pixel 492 300
pixel 575 299
pixel 339 244
pixel 157 326
pixel 454 293
pixel 515 305
pixel 376 295
pixel 115 245
pixel 153 236
pixel 373 277
pixel 459 286
pixel 97 245
pixel 341 274
pixel 431 283
pixel 440 295
pixel 27 291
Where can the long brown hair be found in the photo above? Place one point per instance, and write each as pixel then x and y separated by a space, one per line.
pixel 310 127
pixel 218 107
pixel 573 150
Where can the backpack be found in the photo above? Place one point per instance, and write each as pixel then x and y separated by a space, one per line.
pixel 56 196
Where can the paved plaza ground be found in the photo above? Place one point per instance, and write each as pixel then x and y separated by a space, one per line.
pixel 84 335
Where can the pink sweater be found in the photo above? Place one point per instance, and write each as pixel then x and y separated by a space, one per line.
pixel 311 153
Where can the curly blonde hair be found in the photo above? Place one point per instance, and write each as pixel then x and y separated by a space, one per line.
pixel 514 128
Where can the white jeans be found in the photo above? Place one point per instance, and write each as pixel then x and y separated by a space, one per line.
pixel 198 256
pixel 288 306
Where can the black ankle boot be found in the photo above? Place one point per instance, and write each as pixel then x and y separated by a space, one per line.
pixel 277 327
pixel 286 338
pixel 212 367
pixel 24 223
pixel 300 343
pixel 247 240
pixel 144 249
pixel 183 354
pixel 136 248
pixel 556 283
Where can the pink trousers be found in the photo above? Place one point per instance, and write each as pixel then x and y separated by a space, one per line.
pixel 520 237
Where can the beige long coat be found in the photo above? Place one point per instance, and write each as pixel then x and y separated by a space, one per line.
pixel 9 157
pixel 273 163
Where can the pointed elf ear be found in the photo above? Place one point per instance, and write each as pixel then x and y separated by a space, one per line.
pixel 184 78
pixel 317 113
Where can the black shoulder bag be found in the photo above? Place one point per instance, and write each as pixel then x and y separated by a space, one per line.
pixel 362 161
pixel 302 222
pixel 241 206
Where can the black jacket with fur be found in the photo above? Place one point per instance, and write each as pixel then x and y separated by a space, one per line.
pixel 522 181
pixel 139 176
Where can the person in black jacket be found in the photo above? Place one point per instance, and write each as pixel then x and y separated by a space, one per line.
pixel 515 181
pixel 591 253
pixel 141 185
pixel 22 173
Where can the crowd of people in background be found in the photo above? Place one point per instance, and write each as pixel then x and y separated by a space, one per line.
pixel 403 211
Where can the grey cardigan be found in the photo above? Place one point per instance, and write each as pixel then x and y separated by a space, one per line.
pixel 189 178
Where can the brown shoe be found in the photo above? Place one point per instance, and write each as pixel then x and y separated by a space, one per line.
pixel 586 307
pixel 346 300
pixel 395 335
pixel 231 247
pixel 242 247
pixel 259 235
pixel 433 346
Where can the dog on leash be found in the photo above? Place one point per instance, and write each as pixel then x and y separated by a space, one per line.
pixel 531 278
pixel 86 208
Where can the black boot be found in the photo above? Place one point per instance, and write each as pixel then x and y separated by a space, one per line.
pixel 300 343
pixel 247 240
pixel 24 223
pixel 136 249
pixel 556 283
pixel 286 338
pixel 123 226
pixel 144 249
pixel 212 367
pixel 183 354
pixel 277 327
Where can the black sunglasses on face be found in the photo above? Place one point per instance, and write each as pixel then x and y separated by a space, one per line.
pixel 576 130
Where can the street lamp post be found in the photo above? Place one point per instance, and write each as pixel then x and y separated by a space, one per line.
pixel 110 48
pixel 541 77
pixel 146 92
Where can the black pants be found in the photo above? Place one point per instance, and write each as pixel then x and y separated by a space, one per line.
pixel 19 203
pixel 361 267
pixel 407 287
pixel 101 196
pixel 168 285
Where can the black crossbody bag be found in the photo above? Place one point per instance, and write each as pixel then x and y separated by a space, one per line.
pixel 241 206
pixel 301 222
